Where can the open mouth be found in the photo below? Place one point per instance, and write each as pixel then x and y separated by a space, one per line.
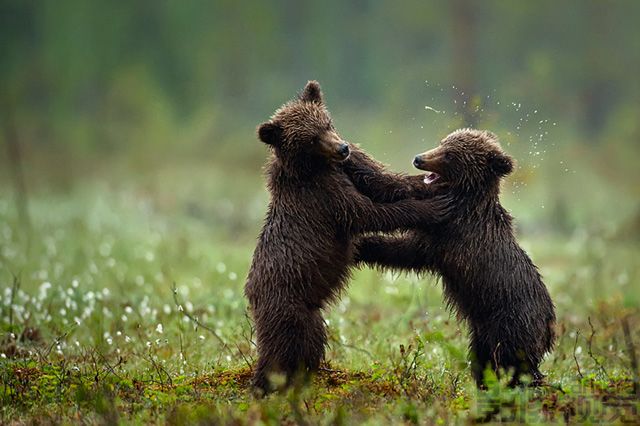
pixel 431 177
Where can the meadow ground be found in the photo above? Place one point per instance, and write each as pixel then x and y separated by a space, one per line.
pixel 124 303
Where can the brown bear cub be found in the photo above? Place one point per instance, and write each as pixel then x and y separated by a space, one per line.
pixel 488 278
pixel 305 248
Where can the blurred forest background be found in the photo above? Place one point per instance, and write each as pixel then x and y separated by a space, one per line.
pixel 113 92
pixel 88 85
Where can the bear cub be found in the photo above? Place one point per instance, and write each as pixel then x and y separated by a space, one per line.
pixel 488 278
pixel 305 249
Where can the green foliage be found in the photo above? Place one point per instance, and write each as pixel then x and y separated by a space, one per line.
pixel 91 326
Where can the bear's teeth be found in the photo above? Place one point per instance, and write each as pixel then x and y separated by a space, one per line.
pixel 431 177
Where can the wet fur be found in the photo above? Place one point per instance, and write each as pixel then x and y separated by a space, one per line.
pixel 488 278
pixel 305 249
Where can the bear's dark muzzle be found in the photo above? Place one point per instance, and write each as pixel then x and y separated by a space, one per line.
pixel 343 150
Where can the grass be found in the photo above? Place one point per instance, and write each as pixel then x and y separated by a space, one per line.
pixel 123 303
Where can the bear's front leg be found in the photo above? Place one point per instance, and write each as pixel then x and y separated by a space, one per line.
pixel 406 252
pixel 404 214
pixel 372 180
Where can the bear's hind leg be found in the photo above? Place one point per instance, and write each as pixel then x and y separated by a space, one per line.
pixel 528 365
pixel 290 342
pixel 260 381
pixel 308 345
pixel 480 361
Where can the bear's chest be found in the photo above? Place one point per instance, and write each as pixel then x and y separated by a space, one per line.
pixel 458 254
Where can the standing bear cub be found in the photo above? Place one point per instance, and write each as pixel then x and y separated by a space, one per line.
pixel 488 278
pixel 305 248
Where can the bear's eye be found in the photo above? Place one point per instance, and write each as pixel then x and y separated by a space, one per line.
pixel 448 156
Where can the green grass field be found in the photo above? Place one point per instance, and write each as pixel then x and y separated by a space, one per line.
pixel 91 330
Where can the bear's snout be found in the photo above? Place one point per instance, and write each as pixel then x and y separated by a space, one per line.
pixel 333 147
pixel 343 150
pixel 430 161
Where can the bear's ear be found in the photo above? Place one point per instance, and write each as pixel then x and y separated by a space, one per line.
pixel 270 133
pixel 501 164
pixel 312 92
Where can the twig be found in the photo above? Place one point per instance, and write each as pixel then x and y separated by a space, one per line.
pixel 251 329
pixel 96 376
pixel 598 364
pixel 57 340
pixel 632 356
pixel 244 357
pixel 575 344
pixel 196 320
pixel 61 375
pixel 182 349
pixel 496 359
pixel 109 367
pixel 355 348
pixel 159 369
pixel 406 368
pixel 207 328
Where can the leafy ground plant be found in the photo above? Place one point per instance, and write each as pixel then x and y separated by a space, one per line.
pixel 127 306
